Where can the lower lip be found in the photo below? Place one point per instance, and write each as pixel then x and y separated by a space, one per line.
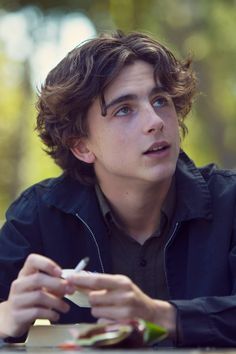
pixel 158 153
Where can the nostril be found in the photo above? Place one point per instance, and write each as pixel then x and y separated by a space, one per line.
pixel 156 128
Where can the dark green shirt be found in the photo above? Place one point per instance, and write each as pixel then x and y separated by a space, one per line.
pixel 144 264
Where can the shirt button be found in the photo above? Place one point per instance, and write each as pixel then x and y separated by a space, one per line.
pixel 143 263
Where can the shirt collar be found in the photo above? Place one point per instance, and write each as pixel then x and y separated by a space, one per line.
pixel 71 196
pixel 167 209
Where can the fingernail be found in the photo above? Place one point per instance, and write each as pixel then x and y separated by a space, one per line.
pixel 56 317
pixel 66 308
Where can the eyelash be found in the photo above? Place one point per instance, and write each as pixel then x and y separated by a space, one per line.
pixel 165 100
pixel 120 109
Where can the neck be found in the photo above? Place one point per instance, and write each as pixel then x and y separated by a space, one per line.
pixel 137 208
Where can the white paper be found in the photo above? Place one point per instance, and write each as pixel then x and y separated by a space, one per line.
pixel 78 298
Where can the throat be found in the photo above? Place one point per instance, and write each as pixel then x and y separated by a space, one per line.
pixel 137 210
pixel 141 238
pixel 138 223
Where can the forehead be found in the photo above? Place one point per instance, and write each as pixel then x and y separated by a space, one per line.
pixel 136 80
pixel 132 77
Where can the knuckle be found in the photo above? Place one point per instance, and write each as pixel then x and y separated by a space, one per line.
pixel 125 282
pixel 96 282
pixel 14 285
pixel 92 298
pixel 39 296
pixel 130 298
pixel 30 258
pixel 95 312
pixel 37 278
pixel 54 316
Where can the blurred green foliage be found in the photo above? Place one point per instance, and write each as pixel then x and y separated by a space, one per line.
pixel 204 29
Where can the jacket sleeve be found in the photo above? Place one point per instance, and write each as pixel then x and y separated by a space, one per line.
pixel 19 236
pixel 209 321
pixel 206 321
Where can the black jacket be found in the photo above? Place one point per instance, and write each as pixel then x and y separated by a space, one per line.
pixel 61 219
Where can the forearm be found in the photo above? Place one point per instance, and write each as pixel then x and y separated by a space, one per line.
pixel 5 321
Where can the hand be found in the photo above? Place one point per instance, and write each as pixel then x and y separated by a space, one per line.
pixel 116 297
pixel 36 293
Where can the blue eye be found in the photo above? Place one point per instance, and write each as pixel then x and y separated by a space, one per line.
pixel 123 111
pixel 160 102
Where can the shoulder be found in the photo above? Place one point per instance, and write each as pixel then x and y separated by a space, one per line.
pixel 210 173
pixel 213 174
pixel 62 193
pixel 221 185
pixel 29 200
pixel 209 181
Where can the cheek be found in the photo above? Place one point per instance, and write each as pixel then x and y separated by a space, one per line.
pixel 173 124
pixel 118 136
pixel 173 130
pixel 110 145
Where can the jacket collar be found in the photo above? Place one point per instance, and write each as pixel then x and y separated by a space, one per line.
pixel 193 198
pixel 70 196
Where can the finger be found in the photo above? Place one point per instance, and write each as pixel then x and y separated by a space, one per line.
pixel 112 298
pixel 101 281
pixel 40 280
pixel 23 318
pixel 42 299
pixel 113 312
pixel 28 316
pixel 36 262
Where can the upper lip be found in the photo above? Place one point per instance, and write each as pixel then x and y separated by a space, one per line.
pixel 157 145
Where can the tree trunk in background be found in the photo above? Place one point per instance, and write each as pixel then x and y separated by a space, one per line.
pixel 213 123
pixel 18 145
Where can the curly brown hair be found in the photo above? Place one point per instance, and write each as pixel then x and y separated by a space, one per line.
pixel 83 75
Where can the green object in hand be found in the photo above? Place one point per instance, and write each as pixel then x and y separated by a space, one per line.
pixel 135 333
pixel 153 333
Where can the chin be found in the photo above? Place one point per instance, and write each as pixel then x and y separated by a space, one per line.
pixel 164 175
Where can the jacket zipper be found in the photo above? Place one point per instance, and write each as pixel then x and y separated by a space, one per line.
pixel 94 240
pixel 167 244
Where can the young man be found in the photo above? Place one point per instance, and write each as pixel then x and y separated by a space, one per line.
pixel 159 232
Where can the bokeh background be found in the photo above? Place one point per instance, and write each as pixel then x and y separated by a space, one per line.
pixel 35 35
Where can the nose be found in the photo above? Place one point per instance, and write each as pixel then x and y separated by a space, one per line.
pixel 152 121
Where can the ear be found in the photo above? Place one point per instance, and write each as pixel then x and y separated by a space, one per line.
pixel 82 152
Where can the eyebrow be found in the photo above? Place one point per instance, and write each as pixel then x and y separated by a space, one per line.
pixel 128 97
pixel 120 99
